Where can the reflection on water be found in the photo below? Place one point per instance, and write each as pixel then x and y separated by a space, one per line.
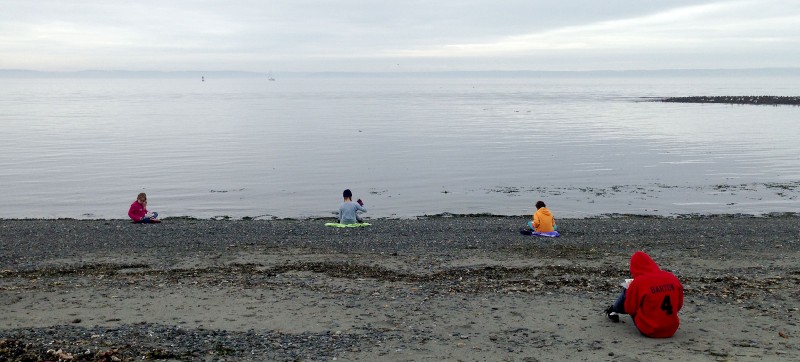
pixel 83 148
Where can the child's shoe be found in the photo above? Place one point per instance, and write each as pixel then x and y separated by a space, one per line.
pixel 613 316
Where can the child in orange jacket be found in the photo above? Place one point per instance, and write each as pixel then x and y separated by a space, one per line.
pixel 543 220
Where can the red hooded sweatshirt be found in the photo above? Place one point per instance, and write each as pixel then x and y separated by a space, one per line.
pixel 653 298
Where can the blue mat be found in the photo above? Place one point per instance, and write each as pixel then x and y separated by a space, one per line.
pixel 547 234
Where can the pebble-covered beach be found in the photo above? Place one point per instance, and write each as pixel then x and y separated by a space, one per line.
pixel 438 288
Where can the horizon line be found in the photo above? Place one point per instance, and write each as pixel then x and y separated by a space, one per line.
pixel 100 72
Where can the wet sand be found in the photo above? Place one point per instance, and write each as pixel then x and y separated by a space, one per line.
pixel 441 288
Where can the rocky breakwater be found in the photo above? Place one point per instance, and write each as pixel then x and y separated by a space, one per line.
pixel 756 100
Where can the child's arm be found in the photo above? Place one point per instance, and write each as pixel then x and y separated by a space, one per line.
pixel 132 213
pixel 632 298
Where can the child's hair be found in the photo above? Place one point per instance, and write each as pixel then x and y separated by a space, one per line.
pixel 347 194
pixel 141 195
pixel 540 204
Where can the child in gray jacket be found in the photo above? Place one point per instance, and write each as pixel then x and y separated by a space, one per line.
pixel 348 210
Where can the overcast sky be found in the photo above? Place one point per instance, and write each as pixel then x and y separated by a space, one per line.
pixel 402 35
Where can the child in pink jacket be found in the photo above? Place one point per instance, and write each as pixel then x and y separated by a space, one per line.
pixel 138 211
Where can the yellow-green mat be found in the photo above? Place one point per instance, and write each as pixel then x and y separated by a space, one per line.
pixel 338 225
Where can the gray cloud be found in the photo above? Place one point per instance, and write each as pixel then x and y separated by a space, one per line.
pixel 353 35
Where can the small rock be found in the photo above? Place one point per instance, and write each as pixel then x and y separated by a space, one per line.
pixel 718 353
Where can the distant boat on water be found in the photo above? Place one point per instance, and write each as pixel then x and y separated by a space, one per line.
pixel 270 78
pixel 202 78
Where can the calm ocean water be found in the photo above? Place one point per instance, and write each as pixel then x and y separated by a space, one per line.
pixel 246 147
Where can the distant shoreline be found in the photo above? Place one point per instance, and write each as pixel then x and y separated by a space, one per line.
pixel 219 74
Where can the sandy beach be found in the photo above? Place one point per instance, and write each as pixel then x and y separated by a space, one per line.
pixel 429 289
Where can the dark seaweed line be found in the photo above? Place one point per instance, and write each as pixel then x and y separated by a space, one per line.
pixel 338 270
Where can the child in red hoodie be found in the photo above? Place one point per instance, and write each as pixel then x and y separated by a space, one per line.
pixel 653 298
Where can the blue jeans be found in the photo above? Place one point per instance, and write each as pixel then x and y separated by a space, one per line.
pixel 619 305
pixel 147 219
pixel 358 220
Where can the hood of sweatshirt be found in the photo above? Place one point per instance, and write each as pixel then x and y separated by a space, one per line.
pixel 544 211
pixel 641 263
